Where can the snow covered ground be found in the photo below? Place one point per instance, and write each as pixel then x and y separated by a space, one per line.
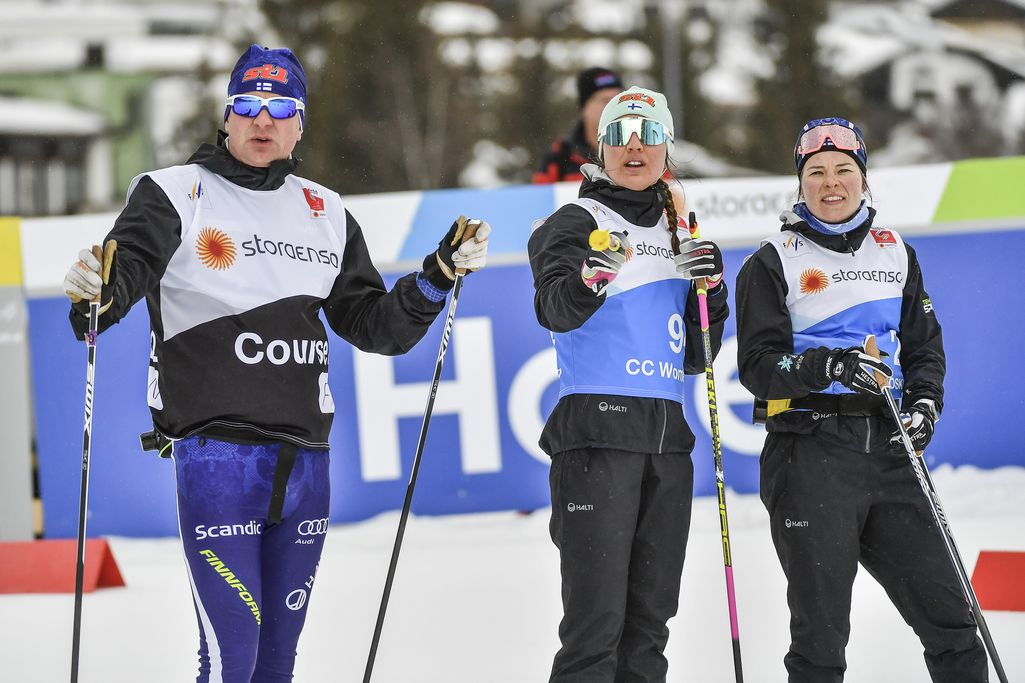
pixel 476 599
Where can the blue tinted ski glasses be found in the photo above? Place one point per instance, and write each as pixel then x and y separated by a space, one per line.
pixel 648 131
pixel 278 107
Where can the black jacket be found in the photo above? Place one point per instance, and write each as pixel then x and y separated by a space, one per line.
pixel 563 302
pixel 764 332
pixel 563 160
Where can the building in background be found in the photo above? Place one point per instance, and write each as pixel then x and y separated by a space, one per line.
pixel 943 80
pixel 93 92
pixel 1002 21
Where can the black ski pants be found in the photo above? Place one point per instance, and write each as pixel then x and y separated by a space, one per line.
pixel 620 521
pixel 830 509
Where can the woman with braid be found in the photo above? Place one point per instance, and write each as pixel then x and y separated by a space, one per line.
pixel 612 283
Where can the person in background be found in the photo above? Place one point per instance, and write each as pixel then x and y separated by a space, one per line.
pixel 612 281
pixel 238 258
pixel 595 87
pixel 835 477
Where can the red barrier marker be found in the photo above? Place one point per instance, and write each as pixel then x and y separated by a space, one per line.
pixel 999 580
pixel 49 566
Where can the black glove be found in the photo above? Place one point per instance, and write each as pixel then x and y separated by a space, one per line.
pixel 700 258
pixel 920 425
pixel 855 369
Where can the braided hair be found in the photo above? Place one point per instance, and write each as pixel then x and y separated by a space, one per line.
pixel 673 218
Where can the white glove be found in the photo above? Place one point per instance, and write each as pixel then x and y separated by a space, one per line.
pixel 83 280
pixel 473 253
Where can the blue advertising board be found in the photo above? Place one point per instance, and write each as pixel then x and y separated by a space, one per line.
pixel 498 385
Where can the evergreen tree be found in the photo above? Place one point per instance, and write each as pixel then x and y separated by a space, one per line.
pixel 699 121
pixel 968 129
pixel 540 104
pixel 385 113
pixel 801 87
pixel 201 126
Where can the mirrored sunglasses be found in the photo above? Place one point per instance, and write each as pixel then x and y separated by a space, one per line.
pixel 277 107
pixel 649 132
pixel 840 136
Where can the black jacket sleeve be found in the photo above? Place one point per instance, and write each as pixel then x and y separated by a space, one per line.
pixel 765 341
pixel 557 250
pixel 718 311
pixel 921 341
pixel 362 312
pixel 148 232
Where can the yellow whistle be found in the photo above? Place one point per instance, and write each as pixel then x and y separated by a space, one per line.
pixel 600 240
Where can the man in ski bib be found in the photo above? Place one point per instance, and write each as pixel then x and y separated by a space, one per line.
pixel 237 258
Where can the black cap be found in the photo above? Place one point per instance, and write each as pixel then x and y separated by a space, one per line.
pixel 594 79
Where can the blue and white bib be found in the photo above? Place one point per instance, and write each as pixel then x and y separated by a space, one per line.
pixel 836 299
pixel 634 344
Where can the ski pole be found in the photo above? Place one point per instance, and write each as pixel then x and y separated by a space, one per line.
pixel 468 229
pixel 939 516
pixel 701 285
pixel 105 257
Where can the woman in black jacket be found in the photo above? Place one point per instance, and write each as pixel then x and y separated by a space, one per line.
pixel 835 478
pixel 614 288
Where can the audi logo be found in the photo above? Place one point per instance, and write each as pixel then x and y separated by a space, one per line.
pixel 296 599
pixel 313 527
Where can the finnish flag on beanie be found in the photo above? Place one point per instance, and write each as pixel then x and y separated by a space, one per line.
pixel 638 101
pixel 263 69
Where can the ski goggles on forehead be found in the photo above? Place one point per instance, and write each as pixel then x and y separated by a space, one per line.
pixel 648 131
pixel 841 137
pixel 277 107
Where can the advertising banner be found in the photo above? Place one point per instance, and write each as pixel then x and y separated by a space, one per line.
pixel 497 387
pixel 15 399
pixel 499 380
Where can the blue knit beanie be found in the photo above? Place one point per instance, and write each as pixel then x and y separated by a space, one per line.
pixel 275 71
